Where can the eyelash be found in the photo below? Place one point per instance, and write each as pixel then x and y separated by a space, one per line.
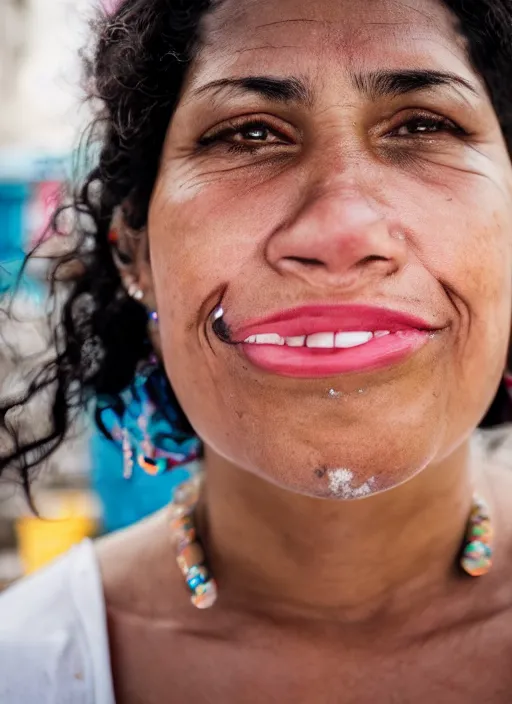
pixel 436 122
pixel 434 125
pixel 224 134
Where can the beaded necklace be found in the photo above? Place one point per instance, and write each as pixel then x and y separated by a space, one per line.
pixel 189 552
pixel 475 560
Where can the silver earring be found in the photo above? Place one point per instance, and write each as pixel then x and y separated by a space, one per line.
pixel 135 292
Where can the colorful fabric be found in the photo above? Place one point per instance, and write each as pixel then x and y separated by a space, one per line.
pixel 146 426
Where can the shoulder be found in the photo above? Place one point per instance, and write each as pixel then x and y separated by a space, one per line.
pixel 53 636
pixel 140 577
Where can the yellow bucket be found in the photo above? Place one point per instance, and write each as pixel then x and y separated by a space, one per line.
pixel 41 540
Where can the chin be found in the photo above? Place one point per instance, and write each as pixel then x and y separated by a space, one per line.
pixel 345 474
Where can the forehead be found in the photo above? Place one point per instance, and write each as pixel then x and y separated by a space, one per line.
pixel 299 35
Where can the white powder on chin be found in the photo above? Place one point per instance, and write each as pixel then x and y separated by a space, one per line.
pixel 341 484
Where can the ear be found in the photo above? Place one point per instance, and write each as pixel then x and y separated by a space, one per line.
pixel 130 251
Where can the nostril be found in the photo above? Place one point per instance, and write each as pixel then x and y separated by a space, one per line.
pixel 371 258
pixel 306 261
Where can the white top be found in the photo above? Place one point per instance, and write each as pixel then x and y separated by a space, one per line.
pixel 53 635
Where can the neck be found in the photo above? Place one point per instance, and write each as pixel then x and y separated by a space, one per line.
pixel 335 559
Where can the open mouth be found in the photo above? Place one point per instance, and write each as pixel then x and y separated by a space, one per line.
pixel 323 341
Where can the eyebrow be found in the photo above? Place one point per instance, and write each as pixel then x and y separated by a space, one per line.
pixel 279 90
pixel 375 85
pixel 381 84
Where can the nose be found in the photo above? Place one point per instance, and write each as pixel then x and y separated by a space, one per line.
pixel 337 239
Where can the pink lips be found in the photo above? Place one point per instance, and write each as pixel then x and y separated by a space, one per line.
pixel 407 334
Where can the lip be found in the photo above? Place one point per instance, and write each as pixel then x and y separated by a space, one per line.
pixel 308 320
pixel 408 334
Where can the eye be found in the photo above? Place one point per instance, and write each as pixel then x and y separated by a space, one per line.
pixel 253 133
pixel 249 136
pixel 426 125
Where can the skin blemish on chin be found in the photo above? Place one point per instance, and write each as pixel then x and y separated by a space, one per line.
pixel 332 393
pixel 341 485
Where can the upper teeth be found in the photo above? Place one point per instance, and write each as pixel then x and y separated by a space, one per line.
pixel 319 340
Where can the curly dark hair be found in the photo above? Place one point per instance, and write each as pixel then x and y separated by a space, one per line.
pixel 141 56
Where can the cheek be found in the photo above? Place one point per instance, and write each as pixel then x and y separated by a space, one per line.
pixel 212 237
pixel 470 257
pixel 463 238
pixel 198 245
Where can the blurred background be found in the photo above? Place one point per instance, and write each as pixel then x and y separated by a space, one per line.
pixel 81 492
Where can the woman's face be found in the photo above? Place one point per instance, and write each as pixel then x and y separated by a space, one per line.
pixel 334 165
